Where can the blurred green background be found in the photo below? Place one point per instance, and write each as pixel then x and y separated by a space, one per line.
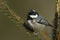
pixel 8 29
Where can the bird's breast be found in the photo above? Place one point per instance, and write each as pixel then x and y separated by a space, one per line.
pixel 36 25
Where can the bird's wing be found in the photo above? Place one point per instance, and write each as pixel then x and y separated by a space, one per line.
pixel 41 20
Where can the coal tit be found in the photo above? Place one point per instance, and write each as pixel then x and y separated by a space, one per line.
pixel 36 22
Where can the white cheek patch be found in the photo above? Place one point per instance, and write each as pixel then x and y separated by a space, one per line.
pixel 34 16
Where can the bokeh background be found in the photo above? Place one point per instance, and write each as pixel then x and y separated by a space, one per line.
pixel 9 30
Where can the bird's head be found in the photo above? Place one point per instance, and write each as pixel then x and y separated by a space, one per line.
pixel 33 14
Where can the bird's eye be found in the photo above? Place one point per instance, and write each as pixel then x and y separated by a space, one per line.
pixel 34 14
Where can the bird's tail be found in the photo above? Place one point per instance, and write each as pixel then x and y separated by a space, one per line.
pixel 51 25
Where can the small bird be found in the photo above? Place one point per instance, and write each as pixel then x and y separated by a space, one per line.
pixel 36 22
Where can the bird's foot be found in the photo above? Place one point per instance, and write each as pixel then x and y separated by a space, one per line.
pixel 35 33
